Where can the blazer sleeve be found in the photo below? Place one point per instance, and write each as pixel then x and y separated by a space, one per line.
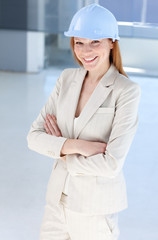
pixel 37 138
pixel 124 127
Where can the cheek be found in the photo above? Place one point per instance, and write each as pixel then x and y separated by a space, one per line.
pixel 77 51
pixel 105 52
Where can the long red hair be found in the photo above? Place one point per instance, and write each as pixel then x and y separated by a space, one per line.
pixel 115 56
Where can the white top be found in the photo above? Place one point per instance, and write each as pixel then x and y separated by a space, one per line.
pixel 75 121
pixel 65 190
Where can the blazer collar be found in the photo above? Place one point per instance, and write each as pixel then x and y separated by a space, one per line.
pixel 98 96
pixel 107 79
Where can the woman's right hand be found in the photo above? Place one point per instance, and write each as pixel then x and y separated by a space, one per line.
pixel 51 126
pixel 89 148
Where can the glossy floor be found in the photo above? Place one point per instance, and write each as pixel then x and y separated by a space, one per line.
pixel 24 174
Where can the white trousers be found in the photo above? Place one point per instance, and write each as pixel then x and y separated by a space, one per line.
pixel 60 223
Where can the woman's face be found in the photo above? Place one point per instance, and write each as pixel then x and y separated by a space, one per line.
pixel 93 54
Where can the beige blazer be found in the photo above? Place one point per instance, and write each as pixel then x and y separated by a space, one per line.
pixel 96 184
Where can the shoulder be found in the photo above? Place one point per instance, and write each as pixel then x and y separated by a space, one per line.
pixel 69 72
pixel 68 76
pixel 125 84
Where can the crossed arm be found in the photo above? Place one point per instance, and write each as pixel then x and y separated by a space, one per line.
pixel 102 159
pixel 73 146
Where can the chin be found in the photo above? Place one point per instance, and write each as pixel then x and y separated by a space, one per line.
pixel 89 68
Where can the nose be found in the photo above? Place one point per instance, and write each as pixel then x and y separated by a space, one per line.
pixel 87 48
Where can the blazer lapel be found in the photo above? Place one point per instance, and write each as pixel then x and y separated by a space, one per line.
pixel 74 94
pixel 98 96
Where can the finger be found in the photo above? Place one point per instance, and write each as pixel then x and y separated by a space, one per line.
pixel 52 120
pixel 50 125
pixel 54 117
pixel 58 132
pixel 47 128
pixel 51 128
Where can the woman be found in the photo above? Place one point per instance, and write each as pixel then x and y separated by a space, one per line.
pixel 87 125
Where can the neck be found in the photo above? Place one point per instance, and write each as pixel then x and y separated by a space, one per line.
pixel 96 75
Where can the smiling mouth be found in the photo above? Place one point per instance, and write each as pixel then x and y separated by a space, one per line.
pixel 89 60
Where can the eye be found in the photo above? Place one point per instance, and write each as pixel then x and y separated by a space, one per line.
pixel 95 41
pixel 78 43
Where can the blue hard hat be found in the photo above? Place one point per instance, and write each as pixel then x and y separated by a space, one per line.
pixel 93 22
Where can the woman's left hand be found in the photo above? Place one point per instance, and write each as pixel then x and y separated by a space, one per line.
pixel 51 126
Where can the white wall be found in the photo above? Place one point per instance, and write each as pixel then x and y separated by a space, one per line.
pixel 140 54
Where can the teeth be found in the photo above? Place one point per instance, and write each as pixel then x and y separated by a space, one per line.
pixel 89 59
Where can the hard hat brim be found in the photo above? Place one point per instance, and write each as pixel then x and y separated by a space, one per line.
pixel 89 36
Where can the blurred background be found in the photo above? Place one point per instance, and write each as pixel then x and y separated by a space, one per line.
pixel 33 53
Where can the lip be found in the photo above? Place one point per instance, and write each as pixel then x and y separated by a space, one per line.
pixel 90 61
